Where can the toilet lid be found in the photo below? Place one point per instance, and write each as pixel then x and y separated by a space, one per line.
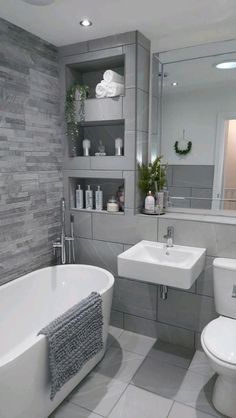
pixel 219 337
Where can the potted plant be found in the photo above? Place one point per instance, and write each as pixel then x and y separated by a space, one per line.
pixel 76 93
pixel 152 177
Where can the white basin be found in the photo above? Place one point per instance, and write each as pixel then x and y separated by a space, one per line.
pixel 154 262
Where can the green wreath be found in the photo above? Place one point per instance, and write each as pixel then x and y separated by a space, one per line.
pixel 184 151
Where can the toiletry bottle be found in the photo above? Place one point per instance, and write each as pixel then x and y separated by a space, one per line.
pixel 79 197
pixel 112 205
pixel 99 199
pixel 150 203
pixel 89 198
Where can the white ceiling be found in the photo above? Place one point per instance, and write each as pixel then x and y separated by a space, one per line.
pixel 168 23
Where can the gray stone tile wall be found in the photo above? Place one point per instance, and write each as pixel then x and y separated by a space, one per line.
pixel 30 152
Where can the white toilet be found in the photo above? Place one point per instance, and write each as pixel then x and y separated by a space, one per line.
pixel 219 337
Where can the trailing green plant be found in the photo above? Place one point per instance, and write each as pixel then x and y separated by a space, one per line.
pixel 72 118
pixel 152 176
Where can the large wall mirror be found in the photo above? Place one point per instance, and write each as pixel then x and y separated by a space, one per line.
pixel 194 106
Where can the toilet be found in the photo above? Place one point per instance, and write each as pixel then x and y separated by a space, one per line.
pixel 219 337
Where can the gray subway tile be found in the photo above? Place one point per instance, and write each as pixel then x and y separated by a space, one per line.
pixel 82 224
pixel 117 319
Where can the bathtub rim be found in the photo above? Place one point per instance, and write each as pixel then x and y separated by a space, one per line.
pixel 8 358
pixel 109 275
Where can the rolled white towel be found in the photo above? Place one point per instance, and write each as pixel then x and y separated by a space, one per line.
pixel 101 90
pixel 115 89
pixel 112 76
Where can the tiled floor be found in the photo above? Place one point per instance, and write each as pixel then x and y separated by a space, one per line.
pixel 140 377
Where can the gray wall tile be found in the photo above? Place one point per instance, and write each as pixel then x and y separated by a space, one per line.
pixel 142 110
pixel 130 65
pixel 205 280
pixel 136 298
pixel 117 319
pixel 125 229
pixel 82 224
pixel 112 41
pixel 143 68
pixel 193 176
pixel 98 253
pixel 186 310
pixel 129 109
pixel 164 332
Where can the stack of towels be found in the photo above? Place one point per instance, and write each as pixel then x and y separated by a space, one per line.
pixel 112 85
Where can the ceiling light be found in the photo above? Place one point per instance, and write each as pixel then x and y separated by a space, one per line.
pixel 226 65
pixel 174 84
pixel 39 2
pixel 85 22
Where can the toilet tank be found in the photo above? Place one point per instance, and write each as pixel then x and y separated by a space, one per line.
pixel 224 270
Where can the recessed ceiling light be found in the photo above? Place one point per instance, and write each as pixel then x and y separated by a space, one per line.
pixel 174 84
pixel 39 2
pixel 85 22
pixel 226 65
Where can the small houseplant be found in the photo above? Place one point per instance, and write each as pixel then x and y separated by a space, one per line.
pixel 152 176
pixel 72 118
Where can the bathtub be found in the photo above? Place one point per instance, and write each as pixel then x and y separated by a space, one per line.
pixel 26 305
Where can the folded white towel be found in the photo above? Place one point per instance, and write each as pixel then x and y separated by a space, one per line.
pixel 110 75
pixel 111 89
pixel 101 90
pixel 115 89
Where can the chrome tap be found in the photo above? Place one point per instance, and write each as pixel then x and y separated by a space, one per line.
pixel 169 236
pixel 61 242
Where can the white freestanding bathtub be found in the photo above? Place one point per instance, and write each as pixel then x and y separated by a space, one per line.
pixel 26 305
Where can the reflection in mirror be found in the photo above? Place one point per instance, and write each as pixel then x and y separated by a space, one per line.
pixel 197 106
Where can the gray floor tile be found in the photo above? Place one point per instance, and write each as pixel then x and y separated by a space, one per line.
pixel 114 334
pixel 159 377
pixel 136 343
pixel 119 364
pixel 172 354
pixel 200 364
pixel 196 391
pixel 138 403
pixel 69 410
pixel 98 393
pixel 182 411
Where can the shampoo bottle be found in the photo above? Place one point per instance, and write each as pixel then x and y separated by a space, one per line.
pixel 89 198
pixel 79 198
pixel 99 199
pixel 150 203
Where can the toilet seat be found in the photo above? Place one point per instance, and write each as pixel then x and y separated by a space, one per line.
pixel 219 337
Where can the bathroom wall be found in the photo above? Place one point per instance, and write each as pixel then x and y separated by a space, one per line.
pixel 30 152
pixel 137 306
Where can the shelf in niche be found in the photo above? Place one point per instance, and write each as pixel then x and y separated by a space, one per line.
pixel 96 211
pixel 109 186
pixel 91 72
pixel 106 131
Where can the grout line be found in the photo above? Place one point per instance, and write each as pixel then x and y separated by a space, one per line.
pixel 171 409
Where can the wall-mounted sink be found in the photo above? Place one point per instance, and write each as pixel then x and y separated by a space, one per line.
pixel 154 262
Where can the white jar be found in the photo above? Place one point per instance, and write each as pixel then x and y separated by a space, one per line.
pixel 150 203
pixel 112 205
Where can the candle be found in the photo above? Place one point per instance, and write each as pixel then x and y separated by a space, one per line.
pixel 86 147
pixel 118 146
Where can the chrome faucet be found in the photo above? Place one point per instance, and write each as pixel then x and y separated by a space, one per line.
pixel 169 236
pixel 60 243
